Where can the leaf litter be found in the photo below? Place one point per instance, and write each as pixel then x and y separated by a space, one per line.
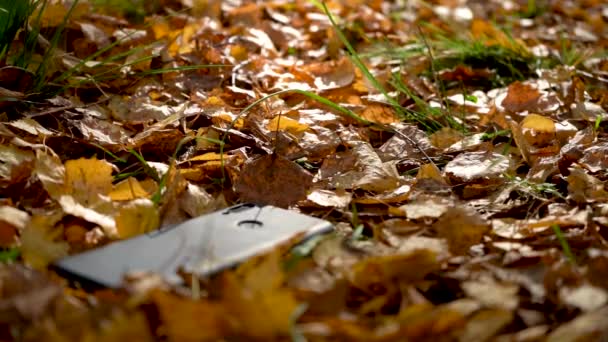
pixel 459 150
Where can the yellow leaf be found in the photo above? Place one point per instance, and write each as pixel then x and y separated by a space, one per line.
pixel 160 28
pixel 208 157
pixel 238 52
pixel 127 190
pixel 283 123
pixel 430 171
pixel 538 123
pixel 538 130
pixel 188 320
pixel 55 13
pixel 260 289
pixel 40 241
pixel 137 217
pixel 86 179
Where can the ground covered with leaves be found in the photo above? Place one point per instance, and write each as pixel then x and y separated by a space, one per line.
pixel 459 148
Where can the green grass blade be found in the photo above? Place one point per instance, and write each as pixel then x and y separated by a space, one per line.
pixel 358 62
pixel 564 243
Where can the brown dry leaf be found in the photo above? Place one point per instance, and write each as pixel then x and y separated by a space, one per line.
pixel 412 265
pixel 584 188
pixel 595 158
pixel 521 229
pixel 485 324
pixel 411 142
pixel 121 326
pixel 332 74
pixel 379 113
pixel 473 167
pixel 397 195
pixel 462 228
pixel 591 326
pixel 136 217
pixel 51 172
pixel 41 242
pixel 330 198
pixel 195 201
pixel 520 140
pixel 585 297
pixel 31 126
pixel 477 173
pixel 521 97
pixel 333 255
pixel 187 320
pixel 492 35
pixel 445 137
pixel 425 208
pixel 12 220
pixel 257 300
pixel 370 172
pixel 26 293
pixel 15 164
pixel 273 180
pixel 421 322
pixel 492 294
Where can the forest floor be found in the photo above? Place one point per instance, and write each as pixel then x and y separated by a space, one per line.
pixel 460 149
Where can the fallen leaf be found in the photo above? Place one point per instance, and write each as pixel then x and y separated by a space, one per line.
pixel 430 208
pixel 477 173
pixel 589 326
pixel 410 142
pixel 485 324
pixel 585 297
pixel 462 228
pixel 330 198
pixel 370 172
pixel 583 188
pixel 136 217
pixel 492 294
pixel 595 158
pixel 122 326
pixel 40 241
pixel 12 220
pixel 287 124
pixel 445 137
pixel 257 287
pixel 51 172
pixel 409 267
pixel 521 97
pixel 26 293
pixel 273 180
pixel 538 130
pixel 127 190
pixel 187 320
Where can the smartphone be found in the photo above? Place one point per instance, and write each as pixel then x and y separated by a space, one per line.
pixel 201 246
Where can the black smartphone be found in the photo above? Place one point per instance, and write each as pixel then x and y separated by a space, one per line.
pixel 202 246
